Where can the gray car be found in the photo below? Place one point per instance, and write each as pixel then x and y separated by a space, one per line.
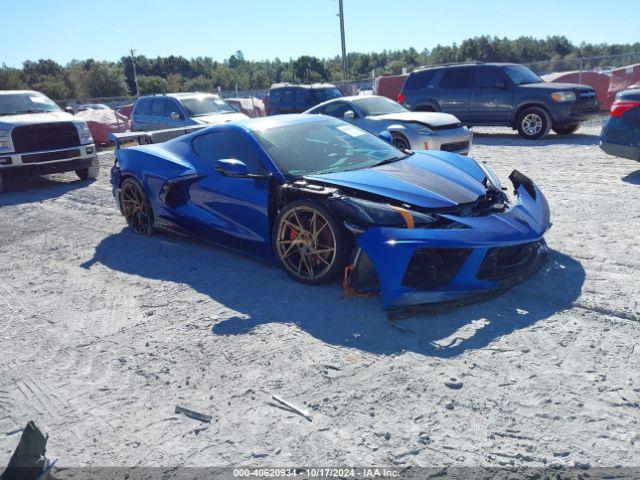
pixel 409 130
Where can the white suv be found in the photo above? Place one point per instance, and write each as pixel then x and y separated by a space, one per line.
pixel 37 137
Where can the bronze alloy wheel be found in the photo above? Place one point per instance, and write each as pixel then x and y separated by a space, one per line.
pixel 306 244
pixel 135 208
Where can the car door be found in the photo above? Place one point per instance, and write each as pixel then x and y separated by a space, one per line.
pixel 453 91
pixel 140 115
pixel 174 114
pixel 156 117
pixel 286 100
pixel 230 210
pixel 491 97
pixel 338 109
pixel 302 100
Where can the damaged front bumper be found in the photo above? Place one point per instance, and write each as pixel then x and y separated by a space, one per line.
pixel 412 266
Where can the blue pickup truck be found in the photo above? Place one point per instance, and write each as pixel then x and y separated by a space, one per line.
pixel 500 94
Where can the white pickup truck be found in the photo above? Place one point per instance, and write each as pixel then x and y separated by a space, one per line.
pixel 37 138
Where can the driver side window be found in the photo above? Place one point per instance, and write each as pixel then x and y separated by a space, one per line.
pixel 219 145
pixel 337 109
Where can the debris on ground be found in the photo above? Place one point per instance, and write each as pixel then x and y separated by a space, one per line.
pixel 28 461
pixel 292 407
pixel 193 414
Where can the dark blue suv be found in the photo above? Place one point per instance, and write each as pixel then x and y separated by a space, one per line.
pixel 289 98
pixel 500 94
pixel 621 133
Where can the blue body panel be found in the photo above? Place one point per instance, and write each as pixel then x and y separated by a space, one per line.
pixel 620 136
pixel 390 249
pixel 235 211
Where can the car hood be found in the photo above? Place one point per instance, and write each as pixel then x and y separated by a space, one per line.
pixel 429 119
pixel 218 118
pixel 431 180
pixel 32 118
pixel 552 86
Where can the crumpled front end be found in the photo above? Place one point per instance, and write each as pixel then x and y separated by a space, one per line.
pixel 472 256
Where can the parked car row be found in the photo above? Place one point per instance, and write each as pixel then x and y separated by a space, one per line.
pixel 359 187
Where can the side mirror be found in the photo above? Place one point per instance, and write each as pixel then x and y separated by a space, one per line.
pixel 177 116
pixel 69 109
pixel 349 115
pixel 386 136
pixel 230 167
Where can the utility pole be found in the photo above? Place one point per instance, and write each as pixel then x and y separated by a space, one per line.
pixel 135 75
pixel 345 67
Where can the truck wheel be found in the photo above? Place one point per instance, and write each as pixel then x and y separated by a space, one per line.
pixel 91 172
pixel 566 129
pixel 533 123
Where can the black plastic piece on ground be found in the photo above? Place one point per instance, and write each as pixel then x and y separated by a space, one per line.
pixel 28 461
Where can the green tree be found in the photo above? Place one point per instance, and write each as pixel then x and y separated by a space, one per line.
pixel 152 84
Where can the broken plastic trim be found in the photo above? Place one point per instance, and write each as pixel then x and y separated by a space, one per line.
pixel 168 189
pixel 518 179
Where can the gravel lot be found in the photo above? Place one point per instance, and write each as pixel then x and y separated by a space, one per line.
pixel 103 332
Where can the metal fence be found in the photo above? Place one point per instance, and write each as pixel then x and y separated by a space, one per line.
pixel 604 64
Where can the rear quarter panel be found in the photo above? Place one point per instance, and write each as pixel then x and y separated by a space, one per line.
pixel 152 165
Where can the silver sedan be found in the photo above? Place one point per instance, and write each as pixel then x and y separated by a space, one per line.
pixel 409 130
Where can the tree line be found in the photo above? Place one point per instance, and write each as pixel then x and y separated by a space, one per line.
pixel 92 79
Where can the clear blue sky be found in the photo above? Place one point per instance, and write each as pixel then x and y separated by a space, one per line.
pixel 265 29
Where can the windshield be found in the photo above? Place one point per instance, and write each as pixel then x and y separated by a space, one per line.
pixel 28 102
pixel 373 106
pixel 205 105
pixel 324 94
pixel 324 146
pixel 521 75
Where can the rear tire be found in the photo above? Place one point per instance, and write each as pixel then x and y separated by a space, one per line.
pixel 135 207
pixel 311 245
pixel 533 123
pixel 566 129
pixel 91 172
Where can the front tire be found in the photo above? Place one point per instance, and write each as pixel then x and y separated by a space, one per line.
pixel 566 129
pixel 400 141
pixel 533 123
pixel 310 244
pixel 135 207
pixel 91 172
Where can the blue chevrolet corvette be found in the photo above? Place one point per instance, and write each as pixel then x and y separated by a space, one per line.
pixel 323 199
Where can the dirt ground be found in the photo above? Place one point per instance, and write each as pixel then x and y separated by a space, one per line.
pixel 103 333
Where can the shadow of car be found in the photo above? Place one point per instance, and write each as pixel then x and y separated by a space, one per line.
pixel 323 311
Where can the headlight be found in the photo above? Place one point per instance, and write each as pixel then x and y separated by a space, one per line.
pixel 83 132
pixel 422 130
pixel 490 174
pixel 368 214
pixel 563 96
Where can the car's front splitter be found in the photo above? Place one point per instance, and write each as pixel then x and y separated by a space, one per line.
pixel 493 252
